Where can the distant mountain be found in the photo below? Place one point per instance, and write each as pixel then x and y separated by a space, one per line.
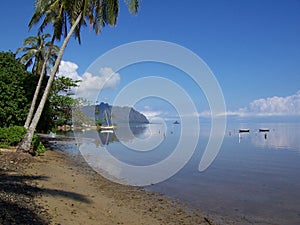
pixel 108 114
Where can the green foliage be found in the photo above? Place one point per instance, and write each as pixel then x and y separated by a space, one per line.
pixel 16 90
pixel 17 87
pixel 62 14
pixel 98 122
pixel 11 136
pixel 79 117
pixel 38 146
pixel 35 49
pixel 61 101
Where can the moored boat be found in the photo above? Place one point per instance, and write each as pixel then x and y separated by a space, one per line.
pixel 264 130
pixel 244 130
pixel 108 127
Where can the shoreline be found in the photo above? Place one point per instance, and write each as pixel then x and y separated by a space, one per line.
pixel 68 191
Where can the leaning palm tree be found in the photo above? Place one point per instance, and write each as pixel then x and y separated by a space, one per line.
pixel 33 49
pixel 72 14
pixel 42 55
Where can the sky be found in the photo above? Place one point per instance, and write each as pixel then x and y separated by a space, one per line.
pixel 251 46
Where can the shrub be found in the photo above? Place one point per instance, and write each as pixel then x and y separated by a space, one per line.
pixel 38 146
pixel 11 136
pixel 16 90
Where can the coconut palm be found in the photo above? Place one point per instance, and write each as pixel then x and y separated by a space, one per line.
pixel 42 55
pixel 34 49
pixel 67 17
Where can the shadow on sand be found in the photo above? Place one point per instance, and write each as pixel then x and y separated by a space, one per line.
pixel 17 194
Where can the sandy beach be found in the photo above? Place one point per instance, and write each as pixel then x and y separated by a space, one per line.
pixel 54 189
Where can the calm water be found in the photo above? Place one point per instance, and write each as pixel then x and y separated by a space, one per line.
pixel 254 179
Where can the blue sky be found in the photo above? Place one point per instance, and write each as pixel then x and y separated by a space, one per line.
pixel 252 46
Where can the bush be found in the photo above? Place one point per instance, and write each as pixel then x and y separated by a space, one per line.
pixel 11 136
pixel 38 146
pixel 16 90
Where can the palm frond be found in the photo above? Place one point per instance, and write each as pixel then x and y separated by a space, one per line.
pixel 133 6
pixel 35 49
pixel 63 13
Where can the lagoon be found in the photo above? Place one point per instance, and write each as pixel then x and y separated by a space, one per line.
pixel 255 178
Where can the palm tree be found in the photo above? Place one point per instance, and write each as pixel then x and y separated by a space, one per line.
pixel 42 55
pixel 75 13
pixel 34 49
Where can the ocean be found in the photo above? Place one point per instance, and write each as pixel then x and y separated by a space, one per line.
pixel 254 179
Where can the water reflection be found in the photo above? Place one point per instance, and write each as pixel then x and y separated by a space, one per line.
pixel 137 155
pixel 250 180
pixel 122 134
pixel 278 136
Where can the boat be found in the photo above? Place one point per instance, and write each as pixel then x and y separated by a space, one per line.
pixel 108 128
pixel 264 130
pixel 244 130
pixel 176 122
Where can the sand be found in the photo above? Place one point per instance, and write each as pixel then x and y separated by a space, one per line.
pixel 70 192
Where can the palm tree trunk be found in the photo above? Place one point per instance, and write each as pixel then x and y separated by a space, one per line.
pixel 25 144
pixel 36 93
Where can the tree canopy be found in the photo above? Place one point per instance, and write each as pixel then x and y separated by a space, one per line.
pixel 61 100
pixel 16 89
pixel 35 50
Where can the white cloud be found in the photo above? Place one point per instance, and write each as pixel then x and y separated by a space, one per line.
pixel 272 106
pixel 206 113
pixel 68 69
pixel 90 84
pixel 147 107
pixel 106 78
pixel 151 114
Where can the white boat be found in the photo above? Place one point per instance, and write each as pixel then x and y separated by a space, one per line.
pixel 108 128
pixel 106 131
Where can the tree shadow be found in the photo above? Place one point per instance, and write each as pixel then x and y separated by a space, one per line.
pixel 17 194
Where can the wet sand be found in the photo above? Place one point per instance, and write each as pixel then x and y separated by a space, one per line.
pixel 65 191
